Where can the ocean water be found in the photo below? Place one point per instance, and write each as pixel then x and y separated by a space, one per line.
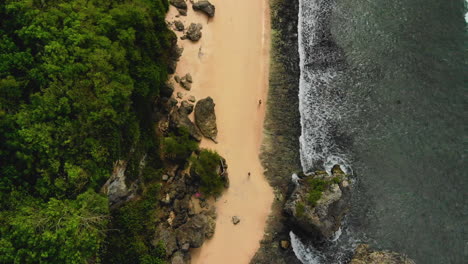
pixel 383 93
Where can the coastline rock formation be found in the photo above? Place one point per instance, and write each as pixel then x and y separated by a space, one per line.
pixel 365 255
pixel 205 118
pixel 205 7
pixel 319 203
pixel 179 119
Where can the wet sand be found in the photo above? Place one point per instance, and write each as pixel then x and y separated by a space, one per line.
pixel 230 64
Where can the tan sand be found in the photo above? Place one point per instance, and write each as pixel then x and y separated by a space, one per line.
pixel 230 63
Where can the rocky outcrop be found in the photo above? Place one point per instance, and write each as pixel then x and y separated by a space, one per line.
pixel 319 203
pixel 205 7
pixel 116 188
pixel 179 119
pixel 365 255
pixel 193 32
pixel 205 118
pixel 180 4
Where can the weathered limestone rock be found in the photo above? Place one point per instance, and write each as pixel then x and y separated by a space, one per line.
pixel 179 118
pixel 319 213
pixel 179 4
pixel 205 7
pixel 235 220
pixel 188 77
pixel 185 84
pixel 194 32
pixel 365 255
pixel 205 118
pixel 179 26
pixel 193 232
pixel 186 107
pixel 116 189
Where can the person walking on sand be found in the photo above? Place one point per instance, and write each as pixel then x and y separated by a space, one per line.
pixel 259 102
pixel 248 175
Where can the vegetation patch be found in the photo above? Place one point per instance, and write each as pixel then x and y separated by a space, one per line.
pixel 205 166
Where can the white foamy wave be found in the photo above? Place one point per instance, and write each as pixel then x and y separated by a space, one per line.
pixel 318 103
pixel 307 255
pixel 332 160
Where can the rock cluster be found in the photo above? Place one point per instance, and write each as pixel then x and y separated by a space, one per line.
pixel 205 118
pixel 365 255
pixel 321 218
pixel 205 7
pixel 181 225
pixel 181 6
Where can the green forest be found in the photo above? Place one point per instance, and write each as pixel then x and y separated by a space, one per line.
pixel 78 79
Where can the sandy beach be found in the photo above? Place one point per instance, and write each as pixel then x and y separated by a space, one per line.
pixel 230 64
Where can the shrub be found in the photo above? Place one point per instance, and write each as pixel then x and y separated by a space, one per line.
pixel 178 147
pixel 205 165
pixel 317 186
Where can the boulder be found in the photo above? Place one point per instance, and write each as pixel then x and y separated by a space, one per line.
pixel 205 118
pixel 235 220
pixel 180 95
pixel 192 99
pixel 167 236
pixel 365 255
pixel 188 77
pixel 179 118
pixel 178 258
pixel 182 12
pixel 194 32
pixel 318 204
pixel 205 7
pixel 193 232
pixel 186 107
pixel 179 4
pixel 210 227
pixel 185 84
pixel 179 26
pixel 177 78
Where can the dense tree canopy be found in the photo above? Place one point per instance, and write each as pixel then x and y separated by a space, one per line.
pixel 77 78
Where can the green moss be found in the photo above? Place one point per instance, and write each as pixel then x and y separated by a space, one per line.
pixel 336 180
pixel 300 209
pixel 316 188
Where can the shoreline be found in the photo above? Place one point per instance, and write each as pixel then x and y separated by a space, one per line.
pixel 230 63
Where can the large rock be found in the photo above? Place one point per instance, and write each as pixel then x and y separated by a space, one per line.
pixel 179 26
pixel 167 236
pixel 179 4
pixel 116 189
pixel 319 203
pixel 205 7
pixel 179 119
pixel 365 255
pixel 205 118
pixel 194 32
pixel 193 232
